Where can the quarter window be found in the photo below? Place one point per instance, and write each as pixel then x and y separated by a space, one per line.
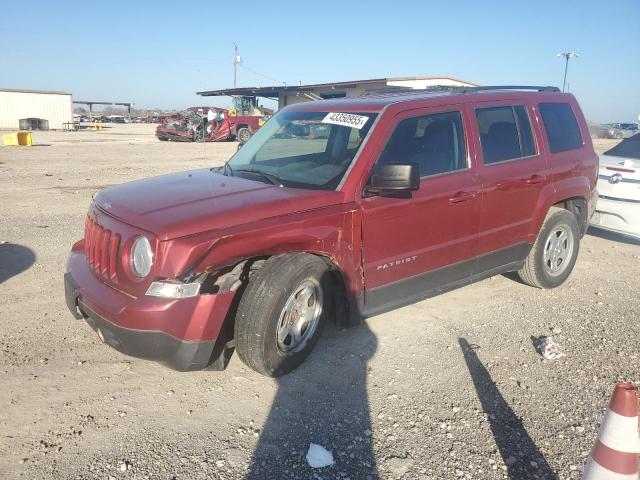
pixel 434 142
pixel 527 145
pixel 561 126
pixel 505 133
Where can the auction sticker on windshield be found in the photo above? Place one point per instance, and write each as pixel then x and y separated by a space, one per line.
pixel 346 119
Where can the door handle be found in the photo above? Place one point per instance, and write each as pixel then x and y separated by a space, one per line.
pixel 534 180
pixel 462 197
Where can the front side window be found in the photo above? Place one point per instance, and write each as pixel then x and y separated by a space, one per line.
pixel 505 133
pixel 310 150
pixel 561 126
pixel 433 142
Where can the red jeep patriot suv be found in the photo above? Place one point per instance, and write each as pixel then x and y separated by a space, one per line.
pixel 336 210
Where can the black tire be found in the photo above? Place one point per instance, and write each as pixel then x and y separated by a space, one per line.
pixel 537 271
pixel 243 135
pixel 261 306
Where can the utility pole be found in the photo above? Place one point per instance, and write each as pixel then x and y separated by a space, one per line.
pixel 236 62
pixel 567 56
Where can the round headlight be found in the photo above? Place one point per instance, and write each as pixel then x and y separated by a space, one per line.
pixel 141 257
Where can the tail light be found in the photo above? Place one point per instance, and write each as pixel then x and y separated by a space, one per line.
pixel 101 247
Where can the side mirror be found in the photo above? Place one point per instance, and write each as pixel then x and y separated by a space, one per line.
pixel 394 179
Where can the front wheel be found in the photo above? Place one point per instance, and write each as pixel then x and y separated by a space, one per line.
pixel 555 251
pixel 282 312
pixel 244 134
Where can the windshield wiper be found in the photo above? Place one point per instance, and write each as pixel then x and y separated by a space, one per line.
pixel 274 180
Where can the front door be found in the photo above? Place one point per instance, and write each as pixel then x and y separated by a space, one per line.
pixel 419 242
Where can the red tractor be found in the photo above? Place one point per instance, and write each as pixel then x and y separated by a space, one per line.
pixel 208 124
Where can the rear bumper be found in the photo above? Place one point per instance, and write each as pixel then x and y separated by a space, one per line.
pixel 617 215
pixel 184 334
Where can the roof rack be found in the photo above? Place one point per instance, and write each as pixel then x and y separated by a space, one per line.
pixel 504 87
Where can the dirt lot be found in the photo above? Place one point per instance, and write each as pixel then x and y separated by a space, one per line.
pixel 446 388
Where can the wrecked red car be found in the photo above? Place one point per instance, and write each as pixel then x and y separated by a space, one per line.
pixel 207 124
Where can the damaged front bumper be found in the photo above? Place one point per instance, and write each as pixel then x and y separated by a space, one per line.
pixel 185 334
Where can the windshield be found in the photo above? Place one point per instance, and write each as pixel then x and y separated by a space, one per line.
pixel 303 149
pixel 628 148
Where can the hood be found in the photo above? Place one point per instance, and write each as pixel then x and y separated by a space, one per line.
pixel 187 203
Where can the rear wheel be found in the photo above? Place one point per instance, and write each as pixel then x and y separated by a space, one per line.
pixel 282 312
pixel 555 251
pixel 244 134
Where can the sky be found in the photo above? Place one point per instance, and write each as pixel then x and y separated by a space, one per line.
pixel 158 54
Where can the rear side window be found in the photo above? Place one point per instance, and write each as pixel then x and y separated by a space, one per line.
pixel 505 133
pixel 561 126
pixel 434 142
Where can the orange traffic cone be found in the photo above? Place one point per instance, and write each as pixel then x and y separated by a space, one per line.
pixel 615 454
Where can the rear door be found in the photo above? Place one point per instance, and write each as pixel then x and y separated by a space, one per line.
pixel 417 242
pixel 512 174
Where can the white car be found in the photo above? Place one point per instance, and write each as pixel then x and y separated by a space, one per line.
pixel 618 207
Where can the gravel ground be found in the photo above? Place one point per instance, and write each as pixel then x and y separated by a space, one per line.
pixel 451 387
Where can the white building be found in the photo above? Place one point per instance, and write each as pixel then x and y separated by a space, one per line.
pixel 55 107
pixel 290 94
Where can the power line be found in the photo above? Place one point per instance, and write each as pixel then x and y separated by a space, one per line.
pixel 238 61
pixel 262 74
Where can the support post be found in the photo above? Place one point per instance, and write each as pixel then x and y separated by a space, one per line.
pixel 236 61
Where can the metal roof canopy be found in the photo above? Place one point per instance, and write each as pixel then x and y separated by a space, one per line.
pixel 274 91
pixel 91 103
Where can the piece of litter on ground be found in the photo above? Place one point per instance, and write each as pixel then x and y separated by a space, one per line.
pixel 318 456
pixel 549 349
